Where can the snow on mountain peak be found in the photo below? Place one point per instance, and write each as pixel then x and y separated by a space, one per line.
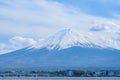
pixel 67 38
pixel 64 39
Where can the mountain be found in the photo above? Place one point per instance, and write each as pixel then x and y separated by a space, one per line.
pixel 65 49
pixel 68 38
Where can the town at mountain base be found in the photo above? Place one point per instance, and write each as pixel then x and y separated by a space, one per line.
pixel 60 73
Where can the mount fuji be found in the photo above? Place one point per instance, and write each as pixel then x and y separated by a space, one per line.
pixel 67 48
pixel 68 38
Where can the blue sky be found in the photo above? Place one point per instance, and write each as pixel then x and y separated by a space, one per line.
pixel 25 21
pixel 102 8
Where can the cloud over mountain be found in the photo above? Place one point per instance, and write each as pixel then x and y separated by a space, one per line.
pixel 15 43
pixel 40 17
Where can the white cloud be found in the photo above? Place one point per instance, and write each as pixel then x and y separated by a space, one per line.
pixel 102 26
pixel 97 27
pixel 40 17
pixel 16 43
pixel 37 16
pixel 20 42
pixel 106 26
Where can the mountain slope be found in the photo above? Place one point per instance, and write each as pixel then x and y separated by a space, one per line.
pixel 70 57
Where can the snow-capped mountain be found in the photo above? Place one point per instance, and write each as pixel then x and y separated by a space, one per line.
pixel 67 38
pixel 67 48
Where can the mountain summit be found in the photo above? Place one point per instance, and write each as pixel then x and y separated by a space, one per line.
pixel 67 38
